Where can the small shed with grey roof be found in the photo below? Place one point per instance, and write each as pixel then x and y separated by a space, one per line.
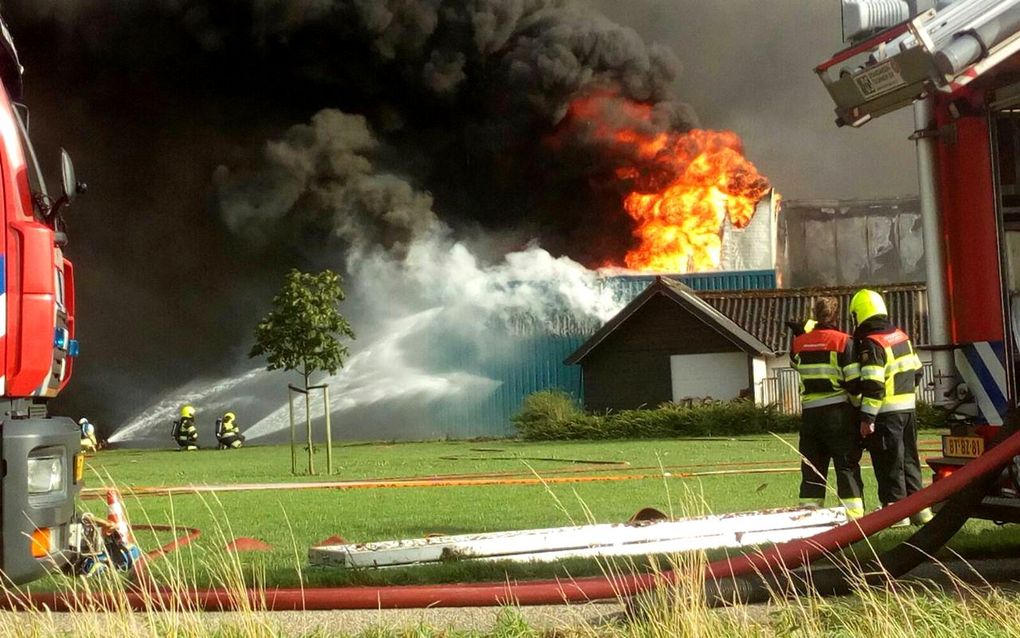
pixel 668 345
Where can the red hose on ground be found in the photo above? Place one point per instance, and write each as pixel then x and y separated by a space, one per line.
pixel 781 557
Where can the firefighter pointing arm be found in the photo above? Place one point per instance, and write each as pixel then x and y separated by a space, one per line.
pixel 889 369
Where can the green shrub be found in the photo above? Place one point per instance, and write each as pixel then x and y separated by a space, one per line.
pixel 932 417
pixel 551 415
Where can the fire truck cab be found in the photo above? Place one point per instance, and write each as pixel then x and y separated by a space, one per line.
pixel 41 465
pixel 958 64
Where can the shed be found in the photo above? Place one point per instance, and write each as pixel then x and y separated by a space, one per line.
pixel 668 345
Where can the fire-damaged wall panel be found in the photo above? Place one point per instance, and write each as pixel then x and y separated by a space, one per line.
pixel 753 247
pixel 852 242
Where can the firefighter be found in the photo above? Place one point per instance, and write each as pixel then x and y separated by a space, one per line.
pixel 890 370
pixel 227 433
pixel 88 435
pixel 185 432
pixel 822 355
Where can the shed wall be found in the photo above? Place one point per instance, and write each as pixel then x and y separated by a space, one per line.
pixel 721 376
pixel 631 368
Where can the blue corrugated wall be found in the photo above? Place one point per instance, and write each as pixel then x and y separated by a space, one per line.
pixel 530 360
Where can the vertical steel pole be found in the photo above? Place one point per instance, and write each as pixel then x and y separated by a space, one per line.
pixel 934 260
pixel 308 426
pixel 293 433
pixel 329 433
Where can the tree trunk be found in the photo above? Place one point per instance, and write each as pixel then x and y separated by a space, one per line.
pixel 308 426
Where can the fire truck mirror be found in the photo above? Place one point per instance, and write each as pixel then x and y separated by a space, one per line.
pixel 71 187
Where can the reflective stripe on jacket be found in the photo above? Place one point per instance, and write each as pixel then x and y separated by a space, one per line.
pixel 824 360
pixel 889 369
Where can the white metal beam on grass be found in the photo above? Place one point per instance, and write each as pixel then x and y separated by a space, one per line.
pixel 707 532
pixel 676 546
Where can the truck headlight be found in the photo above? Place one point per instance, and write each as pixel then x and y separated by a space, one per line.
pixel 45 474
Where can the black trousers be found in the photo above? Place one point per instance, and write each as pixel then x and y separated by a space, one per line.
pixel 893 449
pixel 828 433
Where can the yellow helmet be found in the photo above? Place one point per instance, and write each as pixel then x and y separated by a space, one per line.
pixel 866 304
pixel 187 412
pixel 229 416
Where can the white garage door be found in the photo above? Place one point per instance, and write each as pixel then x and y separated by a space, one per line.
pixel 717 375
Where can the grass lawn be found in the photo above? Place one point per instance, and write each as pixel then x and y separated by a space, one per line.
pixel 292 521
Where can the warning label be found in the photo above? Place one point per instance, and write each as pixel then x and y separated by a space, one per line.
pixel 880 79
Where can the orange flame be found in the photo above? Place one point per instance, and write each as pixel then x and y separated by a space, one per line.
pixel 683 184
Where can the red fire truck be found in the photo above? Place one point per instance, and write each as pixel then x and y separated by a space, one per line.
pixel 41 465
pixel 957 64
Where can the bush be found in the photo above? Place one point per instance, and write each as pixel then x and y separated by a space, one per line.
pixel 932 417
pixel 551 415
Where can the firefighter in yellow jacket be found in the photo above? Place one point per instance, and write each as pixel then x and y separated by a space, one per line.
pixel 228 435
pixel 822 355
pixel 185 432
pixel 890 371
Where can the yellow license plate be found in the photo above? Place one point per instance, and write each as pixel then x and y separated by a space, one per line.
pixel 966 446
pixel 79 467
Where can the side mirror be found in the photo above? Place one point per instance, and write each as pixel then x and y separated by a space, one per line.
pixel 72 187
pixel 67 176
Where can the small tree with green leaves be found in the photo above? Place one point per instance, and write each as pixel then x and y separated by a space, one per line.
pixel 305 330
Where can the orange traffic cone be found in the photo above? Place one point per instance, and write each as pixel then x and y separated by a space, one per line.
pixel 115 516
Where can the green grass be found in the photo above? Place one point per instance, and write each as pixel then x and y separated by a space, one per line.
pixel 292 521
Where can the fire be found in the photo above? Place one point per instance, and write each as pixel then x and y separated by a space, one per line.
pixel 683 185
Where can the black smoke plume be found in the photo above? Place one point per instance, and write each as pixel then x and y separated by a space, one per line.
pixel 155 97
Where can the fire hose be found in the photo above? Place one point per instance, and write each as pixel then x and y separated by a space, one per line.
pixel 963 489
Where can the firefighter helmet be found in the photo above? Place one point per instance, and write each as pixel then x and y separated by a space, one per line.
pixel 187 412
pixel 866 304
pixel 82 421
pixel 229 416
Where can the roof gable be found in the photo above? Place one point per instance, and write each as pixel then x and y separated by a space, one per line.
pixel 687 300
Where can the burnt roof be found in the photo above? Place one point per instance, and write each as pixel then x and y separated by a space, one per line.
pixel 687 299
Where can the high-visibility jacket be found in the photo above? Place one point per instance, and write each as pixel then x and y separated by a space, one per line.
pixel 225 427
pixel 890 369
pixel 824 359
pixel 88 436
pixel 185 430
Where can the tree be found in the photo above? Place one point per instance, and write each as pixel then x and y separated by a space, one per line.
pixel 304 330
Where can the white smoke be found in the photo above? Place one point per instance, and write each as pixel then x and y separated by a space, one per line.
pixel 427 310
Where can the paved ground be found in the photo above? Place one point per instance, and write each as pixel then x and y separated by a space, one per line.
pixel 476 618
pixel 329 623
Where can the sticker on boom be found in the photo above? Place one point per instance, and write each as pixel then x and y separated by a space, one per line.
pixel 879 79
pixel 963 446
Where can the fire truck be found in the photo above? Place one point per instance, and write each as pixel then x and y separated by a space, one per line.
pixel 41 462
pixel 957 64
